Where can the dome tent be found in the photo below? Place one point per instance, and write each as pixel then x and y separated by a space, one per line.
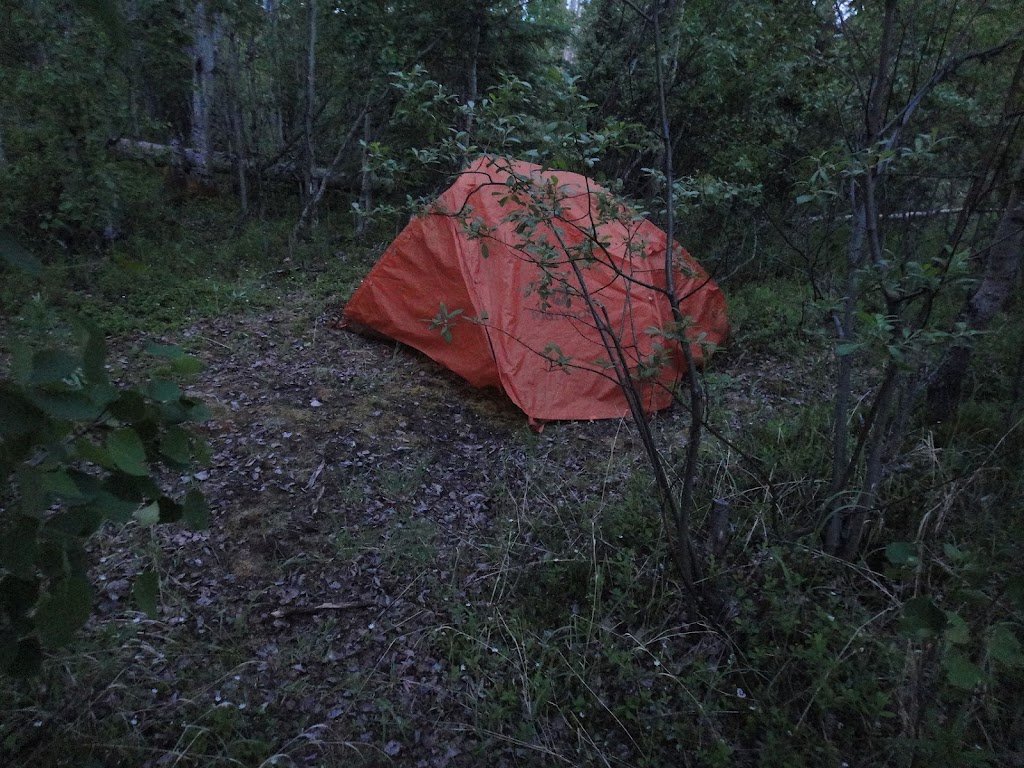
pixel 491 283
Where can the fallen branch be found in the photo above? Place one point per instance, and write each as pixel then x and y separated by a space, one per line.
pixel 308 610
pixel 904 215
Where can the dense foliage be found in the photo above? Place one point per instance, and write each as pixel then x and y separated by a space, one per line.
pixel 852 174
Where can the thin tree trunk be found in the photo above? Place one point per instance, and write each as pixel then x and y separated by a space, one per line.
pixel 366 185
pixel 877 442
pixel 472 67
pixel 308 150
pixel 846 330
pixel 238 127
pixel 693 572
pixel 276 116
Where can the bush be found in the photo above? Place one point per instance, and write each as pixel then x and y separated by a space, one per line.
pixel 76 451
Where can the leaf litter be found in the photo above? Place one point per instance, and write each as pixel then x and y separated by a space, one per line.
pixel 360 495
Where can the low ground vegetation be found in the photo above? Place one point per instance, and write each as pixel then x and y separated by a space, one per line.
pixel 398 572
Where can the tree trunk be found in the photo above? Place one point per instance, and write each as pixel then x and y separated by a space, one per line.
pixel 1017 389
pixel 276 114
pixel 204 58
pixel 1002 265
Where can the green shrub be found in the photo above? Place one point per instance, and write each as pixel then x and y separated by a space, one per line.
pixel 75 451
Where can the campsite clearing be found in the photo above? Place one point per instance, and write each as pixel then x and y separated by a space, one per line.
pixel 395 574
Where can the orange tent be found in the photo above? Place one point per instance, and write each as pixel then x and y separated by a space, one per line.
pixel 492 281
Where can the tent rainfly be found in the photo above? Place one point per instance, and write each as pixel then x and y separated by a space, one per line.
pixel 493 280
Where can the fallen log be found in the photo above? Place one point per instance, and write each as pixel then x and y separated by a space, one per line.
pixel 903 215
pixel 218 162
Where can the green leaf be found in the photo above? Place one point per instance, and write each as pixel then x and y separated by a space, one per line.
pixel 170 510
pixel 176 446
pixel 64 610
pixel 173 412
pixel 94 353
pixel 847 349
pixel 34 501
pixel 146 591
pixel 102 393
pixel 961 672
pixel 163 391
pixel 953 552
pixel 196 511
pixel 196 409
pixel 52 366
pixel 13 451
pixel 77 521
pixel 148 515
pixel 112 508
pixel 18 415
pixel 901 553
pixel 895 353
pixel 107 15
pixel 129 407
pixel 131 488
pixel 89 485
pixel 126 449
pixel 56 556
pixel 95 454
pixel 922 618
pixel 59 484
pixel 201 452
pixel 68 406
pixel 957 632
pixel 12 253
pixel 19 546
pixel 1015 590
pixel 1004 647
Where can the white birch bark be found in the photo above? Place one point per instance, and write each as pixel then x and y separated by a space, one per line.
pixel 203 51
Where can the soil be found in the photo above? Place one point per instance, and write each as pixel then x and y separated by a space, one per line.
pixel 363 500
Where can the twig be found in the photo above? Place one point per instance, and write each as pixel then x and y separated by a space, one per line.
pixel 218 343
pixel 308 610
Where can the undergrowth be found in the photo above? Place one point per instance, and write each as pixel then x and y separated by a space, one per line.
pixel 554 632
pixel 200 269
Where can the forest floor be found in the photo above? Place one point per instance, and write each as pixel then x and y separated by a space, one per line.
pixel 398 571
